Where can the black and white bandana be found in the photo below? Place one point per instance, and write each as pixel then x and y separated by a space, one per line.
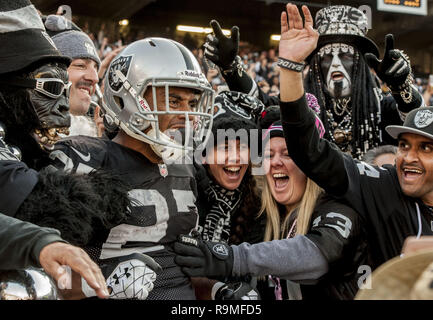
pixel 224 204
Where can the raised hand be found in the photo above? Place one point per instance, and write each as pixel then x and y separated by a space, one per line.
pixel 297 40
pixel 394 68
pixel 220 49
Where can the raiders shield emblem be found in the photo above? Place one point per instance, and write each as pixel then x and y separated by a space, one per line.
pixel 423 118
pixel 220 250
pixel 122 64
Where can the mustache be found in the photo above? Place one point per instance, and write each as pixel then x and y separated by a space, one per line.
pixel 84 83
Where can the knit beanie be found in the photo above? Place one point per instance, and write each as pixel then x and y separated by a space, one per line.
pixel 71 42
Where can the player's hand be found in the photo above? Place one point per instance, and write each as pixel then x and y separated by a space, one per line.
pixel 394 68
pixel 236 291
pixel 220 49
pixel 55 255
pixel 129 277
pixel 200 258
pixel 297 40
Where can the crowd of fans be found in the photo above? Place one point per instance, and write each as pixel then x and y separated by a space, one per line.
pixel 261 65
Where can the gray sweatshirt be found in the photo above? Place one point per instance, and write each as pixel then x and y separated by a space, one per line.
pixel 296 259
pixel 21 243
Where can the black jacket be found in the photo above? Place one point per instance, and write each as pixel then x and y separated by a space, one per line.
pixel 374 192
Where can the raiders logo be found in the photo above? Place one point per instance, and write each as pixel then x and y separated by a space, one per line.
pixel 220 250
pixel 122 64
pixel 423 118
pixel 227 106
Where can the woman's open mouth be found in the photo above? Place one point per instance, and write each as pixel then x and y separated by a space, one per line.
pixel 280 180
pixel 233 172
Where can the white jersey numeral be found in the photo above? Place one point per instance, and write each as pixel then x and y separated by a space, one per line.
pixel 367 169
pixel 123 233
pixel 342 228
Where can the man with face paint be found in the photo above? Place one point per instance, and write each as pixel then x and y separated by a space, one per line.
pixel 337 65
pixel 354 110
pixel 34 110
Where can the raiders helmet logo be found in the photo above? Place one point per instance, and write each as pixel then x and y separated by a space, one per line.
pixel 423 118
pixel 122 64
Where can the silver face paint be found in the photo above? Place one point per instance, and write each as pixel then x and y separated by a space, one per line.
pixel 337 58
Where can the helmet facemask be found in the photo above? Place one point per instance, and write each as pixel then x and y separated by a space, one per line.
pixel 142 119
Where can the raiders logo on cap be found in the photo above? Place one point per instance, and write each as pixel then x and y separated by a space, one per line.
pixel 122 64
pixel 423 118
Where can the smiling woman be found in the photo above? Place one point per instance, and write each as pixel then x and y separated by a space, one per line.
pixel 229 188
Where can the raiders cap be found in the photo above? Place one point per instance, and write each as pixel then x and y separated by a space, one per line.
pixel 418 121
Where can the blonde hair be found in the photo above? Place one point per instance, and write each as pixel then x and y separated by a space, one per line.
pixel 274 228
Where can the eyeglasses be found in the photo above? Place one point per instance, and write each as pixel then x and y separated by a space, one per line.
pixel 50 87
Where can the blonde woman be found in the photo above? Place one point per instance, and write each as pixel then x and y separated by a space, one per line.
pixel 310 238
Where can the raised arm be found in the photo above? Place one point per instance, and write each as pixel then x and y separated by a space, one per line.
pixel 296 43
pixel 317 158
pixel 223 51
pixel 396 71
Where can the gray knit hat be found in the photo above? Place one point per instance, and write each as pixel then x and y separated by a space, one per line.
pixel 71 43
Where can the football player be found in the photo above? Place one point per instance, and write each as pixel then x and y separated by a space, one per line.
pixel 160 102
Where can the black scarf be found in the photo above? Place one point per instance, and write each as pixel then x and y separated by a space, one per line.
pixel 223 204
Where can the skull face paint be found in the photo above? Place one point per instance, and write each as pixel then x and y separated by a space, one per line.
pixel 337 67
pixel 53 113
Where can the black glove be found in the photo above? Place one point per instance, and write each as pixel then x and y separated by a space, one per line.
pixel 200 258
pixel 394 68
pixel 220 49
pixel 237 290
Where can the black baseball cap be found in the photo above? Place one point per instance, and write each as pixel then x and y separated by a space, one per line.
pixel 418 121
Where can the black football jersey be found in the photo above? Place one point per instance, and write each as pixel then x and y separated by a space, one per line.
pixel 339 233
pixel 162 207
pixel 374 192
